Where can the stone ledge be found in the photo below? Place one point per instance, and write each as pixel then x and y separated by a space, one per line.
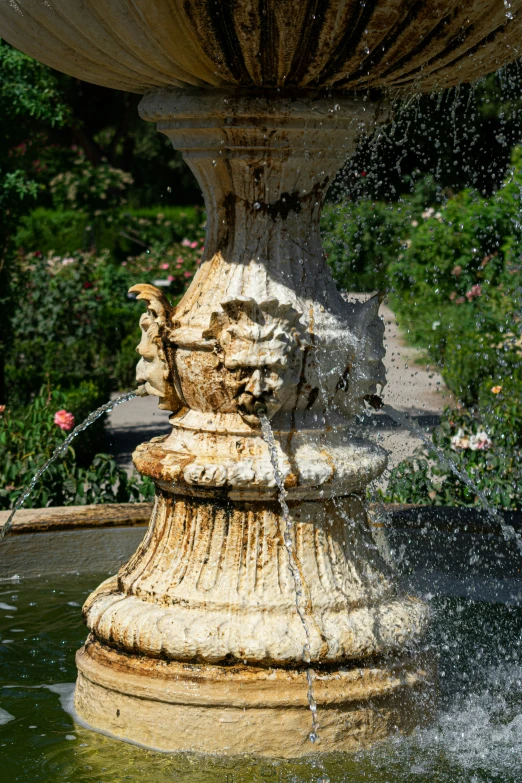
pixel 43 520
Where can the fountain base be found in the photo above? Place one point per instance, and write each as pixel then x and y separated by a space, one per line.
pixel 232 710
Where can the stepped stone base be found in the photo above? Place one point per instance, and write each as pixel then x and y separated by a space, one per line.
pixel 172 706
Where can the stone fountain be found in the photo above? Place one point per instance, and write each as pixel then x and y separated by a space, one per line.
pixel 219 634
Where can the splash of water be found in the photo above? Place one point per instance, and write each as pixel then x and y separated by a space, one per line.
pixel 301 597
pixel 404 420
pixel 61 449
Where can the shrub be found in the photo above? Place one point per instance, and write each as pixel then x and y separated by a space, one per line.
pixel 71 315
pixel 456 286
pixel 360 240
pixel 123 232
pixel 29 438
pixel 487 449
pixel 89 189
pixel 74 320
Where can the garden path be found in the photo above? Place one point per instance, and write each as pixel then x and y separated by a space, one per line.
pixel 412 387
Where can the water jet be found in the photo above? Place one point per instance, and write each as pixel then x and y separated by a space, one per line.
pixel 196 644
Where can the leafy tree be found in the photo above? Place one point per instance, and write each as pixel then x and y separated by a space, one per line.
pixel 31 102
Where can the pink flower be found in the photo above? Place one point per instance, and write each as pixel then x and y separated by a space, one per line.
pixel 179 260
pixel 188 274
pixel 2 409
pixel 66 261
pixel 164 266
pixel 474 291
pixel 193 245
pixel 186 242
pixel 170 278
pixel 64 420
pixel 460 300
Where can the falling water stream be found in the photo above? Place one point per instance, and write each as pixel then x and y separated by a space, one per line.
pixel 61 449
pixel 302 600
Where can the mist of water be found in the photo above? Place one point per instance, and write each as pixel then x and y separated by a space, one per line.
pixel 61 449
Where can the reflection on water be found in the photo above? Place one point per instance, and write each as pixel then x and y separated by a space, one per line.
pixel 477 737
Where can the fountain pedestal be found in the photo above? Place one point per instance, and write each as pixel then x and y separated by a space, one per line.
pixel 203 640
pixel 198 643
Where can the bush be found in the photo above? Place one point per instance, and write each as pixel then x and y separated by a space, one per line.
pixel 70 318
pixel 124 232
pixel 487 450
pixel 29 438
pixel 74 320
pixel 456 287
pixel 360 240
pixel 89 189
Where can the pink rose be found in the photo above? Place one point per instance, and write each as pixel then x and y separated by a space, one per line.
pixel 474 291
pixel 193 245
pixel 164 266
pixel 188 274
pixel 64 420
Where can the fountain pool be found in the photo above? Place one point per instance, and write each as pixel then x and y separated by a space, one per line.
pixel 476 737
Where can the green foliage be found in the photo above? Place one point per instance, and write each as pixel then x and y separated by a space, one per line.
pixel 29 438
pixel 456 286
pixel 71 316
pixel 30 99
pixel 125 232
pixel 487 448
pixel 74 320
pixel 89 189
pixel 360 240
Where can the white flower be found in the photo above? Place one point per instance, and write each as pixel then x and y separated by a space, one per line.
pixel 480 441
pixel 428 213
pixel 435 324
pixel 460 440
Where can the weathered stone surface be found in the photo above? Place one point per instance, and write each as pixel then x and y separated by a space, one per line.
pixel 43 520
pixel 261 329
pixel 211 582
pixel 236 709
pixel 277 44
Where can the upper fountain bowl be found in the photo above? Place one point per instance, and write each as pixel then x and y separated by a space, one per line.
pixel 144 45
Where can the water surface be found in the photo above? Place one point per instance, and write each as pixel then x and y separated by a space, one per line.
pixel 477 737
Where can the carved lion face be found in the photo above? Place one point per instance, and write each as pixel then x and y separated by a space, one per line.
pixel 262 347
